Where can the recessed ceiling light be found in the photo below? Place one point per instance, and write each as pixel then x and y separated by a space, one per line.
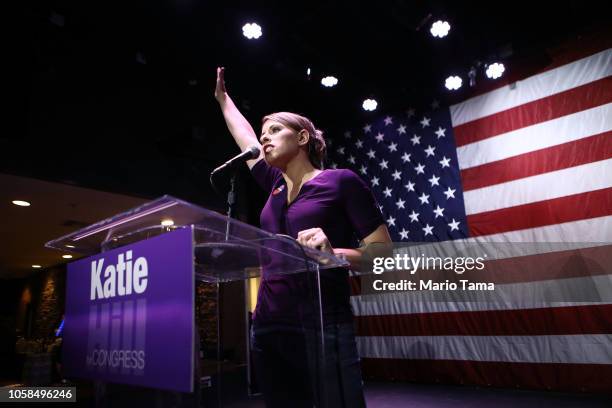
pixel 167 223
pixel 69 246
pixel 36 266
pixel 21 203
pixel 66 256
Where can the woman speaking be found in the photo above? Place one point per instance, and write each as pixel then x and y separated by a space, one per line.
pixel 326 209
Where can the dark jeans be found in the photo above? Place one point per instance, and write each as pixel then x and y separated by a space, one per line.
pixel 285 363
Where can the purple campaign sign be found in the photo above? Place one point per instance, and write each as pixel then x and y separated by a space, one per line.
pixel 130 314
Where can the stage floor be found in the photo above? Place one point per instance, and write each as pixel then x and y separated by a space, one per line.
pixel 400 395
pixel 378 395
pixel 392 395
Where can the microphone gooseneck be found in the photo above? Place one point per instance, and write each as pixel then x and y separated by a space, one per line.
pixel 251 152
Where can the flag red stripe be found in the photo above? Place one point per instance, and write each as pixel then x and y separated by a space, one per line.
pixel 555 106
pixel 544 376
pixel 588 319
pixel 597 203
pixel 570 154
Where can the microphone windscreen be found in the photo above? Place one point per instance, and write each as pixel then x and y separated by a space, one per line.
pixel 254 150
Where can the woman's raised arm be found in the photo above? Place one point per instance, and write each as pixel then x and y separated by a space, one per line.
pixel 239 127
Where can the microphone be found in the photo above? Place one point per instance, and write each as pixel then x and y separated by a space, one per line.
pixel 251 152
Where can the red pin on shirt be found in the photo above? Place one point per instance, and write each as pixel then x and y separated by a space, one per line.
pixel 278 190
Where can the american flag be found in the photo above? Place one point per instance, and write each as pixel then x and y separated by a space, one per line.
pixel 527 162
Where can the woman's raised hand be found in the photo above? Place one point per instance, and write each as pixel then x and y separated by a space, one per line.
pixel 220 92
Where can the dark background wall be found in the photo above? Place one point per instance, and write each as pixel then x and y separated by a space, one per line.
pixel 33 308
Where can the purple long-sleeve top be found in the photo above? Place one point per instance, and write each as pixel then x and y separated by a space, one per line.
pixel 343 206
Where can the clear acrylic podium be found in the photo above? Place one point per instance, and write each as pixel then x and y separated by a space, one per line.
pixel 225 250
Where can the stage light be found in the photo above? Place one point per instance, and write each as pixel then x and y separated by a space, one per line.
pixel 21 203
pixel 369 104
pixel 251 31
pixel 495 70
pixel 453 83
pixel 167 223
pixel 308 72
pixel 440 29
pixel 329 81
pixel 67 256
pixel 36 266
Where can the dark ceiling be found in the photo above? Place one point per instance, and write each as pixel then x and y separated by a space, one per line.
pixel 118 95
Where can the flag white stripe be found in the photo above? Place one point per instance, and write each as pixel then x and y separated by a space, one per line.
pixel 554 132
pixel 571 349
pixel 539 86
pixel 509 296
pixel 555 184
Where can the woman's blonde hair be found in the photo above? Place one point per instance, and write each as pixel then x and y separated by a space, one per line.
pixel 316 144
